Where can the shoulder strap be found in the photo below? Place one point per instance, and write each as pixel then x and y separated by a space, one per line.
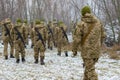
pixel 40 36
pixel 19 36
pixel 8 33
pixel 85 37
pixel 64 33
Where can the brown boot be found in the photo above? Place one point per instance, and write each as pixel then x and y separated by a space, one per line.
pixel 42 60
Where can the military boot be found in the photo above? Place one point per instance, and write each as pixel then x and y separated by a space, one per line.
pixel 42 60
pixel 74 54
pixel 6 57
pixel 11 56
pixel 36 61
pixel 32 46
pixel 50 48
pixel 23 59
pixel 83 65
pixel 66 53
pixel 59 53
pixel 18 60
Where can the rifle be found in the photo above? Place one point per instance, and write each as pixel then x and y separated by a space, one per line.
pixel 8 33
pixel 19 36
pixel 40 36
pixel 50 31
pixel 63 31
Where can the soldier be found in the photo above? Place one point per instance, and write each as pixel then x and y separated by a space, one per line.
pixel 55 25
pixel 61 37
pixel 7 38
pixel 90 34
pixel 26 27
pixel 40 34
pixel 51 41
pixel 19 39
pixel 31 34
pixel 75 45
pixel 73 25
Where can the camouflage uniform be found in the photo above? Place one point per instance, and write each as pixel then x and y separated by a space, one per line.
pixel 26 27
pixel 7 38
pixel 60 38
pixel 50 35
pixel 39 45
pixel 31 34
pixel 19 44
pixel 90 35
pixel 75 45
pixel 55 25
pixel 73 27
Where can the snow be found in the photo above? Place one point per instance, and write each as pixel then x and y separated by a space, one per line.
pixel 109 32
pixel 56 67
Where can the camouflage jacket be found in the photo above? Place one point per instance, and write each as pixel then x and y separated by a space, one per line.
pixel 89 35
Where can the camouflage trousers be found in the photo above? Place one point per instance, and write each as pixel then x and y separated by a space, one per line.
pixel 39 48
pixel 50 42
pixel 6 48
pixel 75 47
pixel 89 73
pixel 19 49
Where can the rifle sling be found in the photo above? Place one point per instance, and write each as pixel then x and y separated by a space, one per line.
pixel 64 33
pixel 40 36
pixel 85 37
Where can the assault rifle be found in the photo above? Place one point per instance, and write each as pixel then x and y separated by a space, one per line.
pixel 50 31
pixel 8 33
pixel 40 36
pixel 20 36
pixel 63 31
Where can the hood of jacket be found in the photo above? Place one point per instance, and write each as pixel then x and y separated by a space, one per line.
pixel 89 18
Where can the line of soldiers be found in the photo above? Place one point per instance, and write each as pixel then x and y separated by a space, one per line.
pixel 42 36
pixel 88 34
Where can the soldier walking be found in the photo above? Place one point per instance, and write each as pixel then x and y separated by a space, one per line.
pixel 19 40
pixel 7 38
pixel 39 35
pixel 90 35
pixel 61 37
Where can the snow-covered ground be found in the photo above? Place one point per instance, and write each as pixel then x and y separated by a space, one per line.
pixel 56 67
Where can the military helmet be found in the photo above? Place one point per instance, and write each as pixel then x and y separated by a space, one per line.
pixel 42 22
pixel 7 20
pixel 37 21
pixel 85 9
pixel 25 21
pixel 19 20
pixel 50 22
pixel 54 21
pixel 60 23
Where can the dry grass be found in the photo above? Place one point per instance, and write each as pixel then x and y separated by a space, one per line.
pixel 116 47
pixel 113 52
pixel 114 55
